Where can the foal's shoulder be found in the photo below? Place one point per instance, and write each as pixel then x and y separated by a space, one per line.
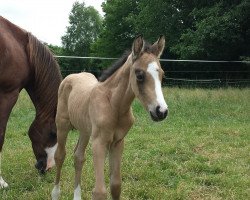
pixel 100 93
pixel 99 90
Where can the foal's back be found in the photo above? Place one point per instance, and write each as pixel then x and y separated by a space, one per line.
pixel 73 99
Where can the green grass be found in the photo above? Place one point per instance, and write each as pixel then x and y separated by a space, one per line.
pixel 200 152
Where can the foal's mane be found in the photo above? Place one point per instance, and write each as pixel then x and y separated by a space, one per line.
pixel 47 76
pixel 117 64
pixel 114 67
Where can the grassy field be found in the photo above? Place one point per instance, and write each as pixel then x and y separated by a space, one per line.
pixel 202 151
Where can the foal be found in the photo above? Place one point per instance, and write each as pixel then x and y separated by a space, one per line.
pixel 103 111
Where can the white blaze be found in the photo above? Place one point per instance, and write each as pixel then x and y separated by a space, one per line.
pixel 50 156
pixel 153 69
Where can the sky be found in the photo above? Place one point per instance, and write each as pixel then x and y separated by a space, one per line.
pixel 46 19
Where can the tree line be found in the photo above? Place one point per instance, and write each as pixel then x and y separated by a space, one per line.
pixel 196 29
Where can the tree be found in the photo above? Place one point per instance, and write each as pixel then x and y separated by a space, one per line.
pixel 193 29
pixel 216 30
pixel 85 25
pixel 118 31
pixel 125 19
pixel 220 31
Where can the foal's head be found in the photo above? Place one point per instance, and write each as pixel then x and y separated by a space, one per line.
pixel 146 76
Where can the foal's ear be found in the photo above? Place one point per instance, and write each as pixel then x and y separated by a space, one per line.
pixel 158 46
pixel 137 47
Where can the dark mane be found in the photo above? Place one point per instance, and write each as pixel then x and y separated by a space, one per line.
pixel 114 67
pixel 47 76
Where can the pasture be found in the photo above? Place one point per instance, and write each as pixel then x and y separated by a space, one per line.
pixel 202 151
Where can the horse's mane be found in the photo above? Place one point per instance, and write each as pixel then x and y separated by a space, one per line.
pixel 47 76
pixel 114 67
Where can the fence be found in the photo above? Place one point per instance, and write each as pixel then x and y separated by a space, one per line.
pixel 194 73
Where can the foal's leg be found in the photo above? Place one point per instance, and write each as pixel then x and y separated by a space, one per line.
pixel 62 132
pixel 7 101
pixel 115 157
pixel 79 160
pixel 99 152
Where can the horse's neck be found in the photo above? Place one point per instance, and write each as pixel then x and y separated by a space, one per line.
pixel 119 84
pixel 45 105
pixel 46 78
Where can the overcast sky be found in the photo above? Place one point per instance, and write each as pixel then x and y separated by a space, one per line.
pixel 46 19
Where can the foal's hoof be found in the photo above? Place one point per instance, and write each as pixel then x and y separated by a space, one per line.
pixel 3 184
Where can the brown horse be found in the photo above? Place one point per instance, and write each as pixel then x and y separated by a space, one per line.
pixel 26 63
pixel 103 111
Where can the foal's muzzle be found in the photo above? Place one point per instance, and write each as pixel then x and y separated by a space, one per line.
pixel 158 114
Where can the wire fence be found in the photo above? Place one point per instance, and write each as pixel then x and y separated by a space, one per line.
pixel 188 73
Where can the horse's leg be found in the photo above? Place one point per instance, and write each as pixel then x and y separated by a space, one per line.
pixel 115 157
pixel 99 152
pixel 7 101
pixel 79 160
pixel 63 129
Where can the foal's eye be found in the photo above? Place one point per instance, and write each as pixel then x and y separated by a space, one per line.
pixel 139 75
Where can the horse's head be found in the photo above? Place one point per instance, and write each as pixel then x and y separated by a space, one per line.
pixel 44 143
pixel 146 76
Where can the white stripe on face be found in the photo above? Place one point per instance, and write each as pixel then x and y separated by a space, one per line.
pixel 153 69
pixel 50 156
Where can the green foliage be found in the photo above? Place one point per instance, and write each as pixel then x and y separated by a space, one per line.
pixel 194 29
pixel 215 30
pixel 201 151
pixel 56 50
pixel 85 25
pixel 83 30
pixel 118 33
pixel 59 51
pixel 162 17
pixel 209 30
pixel 219 32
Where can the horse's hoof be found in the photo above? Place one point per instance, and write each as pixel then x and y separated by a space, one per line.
pixel 3 184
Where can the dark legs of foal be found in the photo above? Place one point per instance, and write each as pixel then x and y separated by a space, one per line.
pixel 7 101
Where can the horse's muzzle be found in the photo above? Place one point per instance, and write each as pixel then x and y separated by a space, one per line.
pixel 41 166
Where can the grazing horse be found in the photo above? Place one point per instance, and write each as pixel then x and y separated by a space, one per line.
pixel 103 111
pixel 26 63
